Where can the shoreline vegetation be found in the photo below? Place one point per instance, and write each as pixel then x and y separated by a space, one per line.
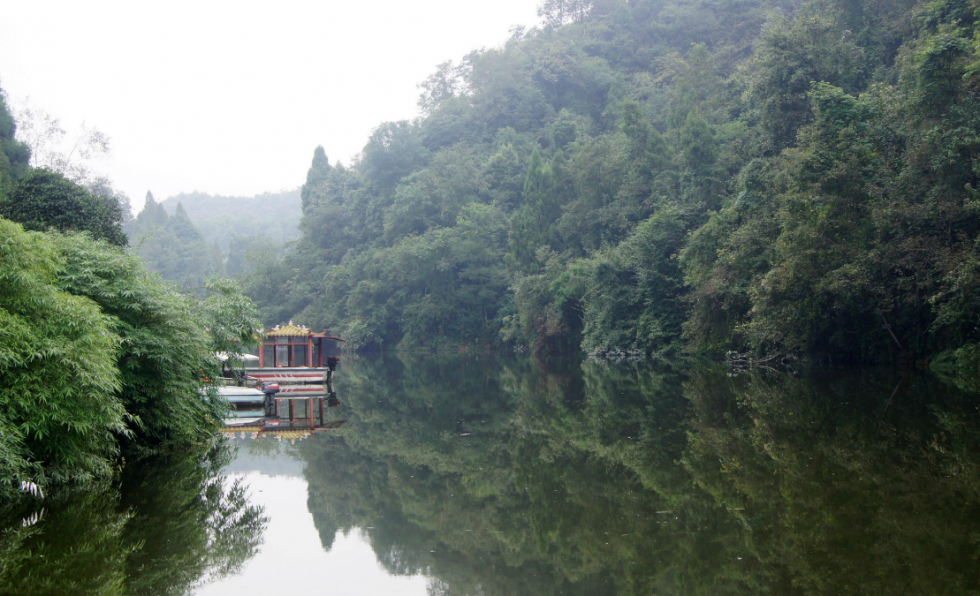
pixel 628 180
pixel 100 359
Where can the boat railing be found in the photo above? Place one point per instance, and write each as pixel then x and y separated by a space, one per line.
pixel 238 382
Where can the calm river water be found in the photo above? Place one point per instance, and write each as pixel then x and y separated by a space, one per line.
pixel 487 476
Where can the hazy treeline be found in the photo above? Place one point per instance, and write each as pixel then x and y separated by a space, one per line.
pixel 173 246
pixel 649 177
pixel 221 219
pixel 212 235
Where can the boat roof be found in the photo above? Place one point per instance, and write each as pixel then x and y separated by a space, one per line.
pixel 289 331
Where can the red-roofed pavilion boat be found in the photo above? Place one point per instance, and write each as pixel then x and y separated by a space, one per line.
pixel 295 354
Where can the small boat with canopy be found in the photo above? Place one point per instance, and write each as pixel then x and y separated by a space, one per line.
pixel 296 354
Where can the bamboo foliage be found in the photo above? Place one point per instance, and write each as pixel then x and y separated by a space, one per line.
pixel 60 400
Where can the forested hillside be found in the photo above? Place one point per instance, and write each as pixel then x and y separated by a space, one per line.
pixel 191 236
pixel 651 177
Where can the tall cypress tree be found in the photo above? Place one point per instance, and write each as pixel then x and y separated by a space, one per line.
pixel 183 227
pixel 532 225
pixel 645 153
pixel 151 216
pixel 698 141
pixel 316 177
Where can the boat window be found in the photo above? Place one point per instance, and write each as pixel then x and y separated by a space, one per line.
pixel 299 355
pixel 301 409
pixel 268 353
pixel 282 356
pixel 282 339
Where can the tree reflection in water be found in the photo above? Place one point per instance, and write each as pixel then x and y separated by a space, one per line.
pixel 172 523
pixel 521 477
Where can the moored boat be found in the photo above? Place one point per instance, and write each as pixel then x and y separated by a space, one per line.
pixel 242 395
pixel 295 354
pixel 289 375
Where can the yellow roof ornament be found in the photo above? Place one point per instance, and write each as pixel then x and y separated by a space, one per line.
pixel 289 331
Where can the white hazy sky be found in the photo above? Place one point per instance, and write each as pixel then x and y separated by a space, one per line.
pixel 231 97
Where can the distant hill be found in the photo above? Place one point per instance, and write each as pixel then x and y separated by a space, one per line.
pixel 173 246
pixel 219 218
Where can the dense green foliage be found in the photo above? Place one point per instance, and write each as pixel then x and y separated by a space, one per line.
pixel 646 177
pixel 166 348
pixel 502 476
pixel 173 246
pixel 192 236
pixel 99 354
pixel 43 200
pixel 60 403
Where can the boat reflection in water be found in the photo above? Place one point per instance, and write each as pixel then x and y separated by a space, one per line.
pixel 291 412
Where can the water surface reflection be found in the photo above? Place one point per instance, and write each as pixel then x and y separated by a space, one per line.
pixel 522 477
pixel 170 523
pixel 514 476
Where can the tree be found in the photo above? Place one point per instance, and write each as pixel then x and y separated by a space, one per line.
pixel 247 253
pixel 759 181
pixel 531 226
pixel 698 144
pixel 166 354
pixel 562 12
pixel 174 247
pixel 316 177
pixel 14 155
pixel 794 55
pixel 96 353
pixel 151 216
pixel 232 319
pixel 644 158
pixel 102 187
pixel 632 303
pixel 46 139
pixel 447 82
pixel 44 200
